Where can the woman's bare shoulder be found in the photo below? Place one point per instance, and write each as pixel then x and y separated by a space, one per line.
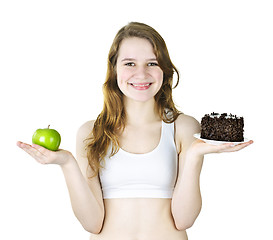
pixel 84 132
pixel 188 121
pixel 86 128
pixel 186 126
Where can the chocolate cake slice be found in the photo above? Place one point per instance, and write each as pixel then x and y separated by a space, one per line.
pixel 222 127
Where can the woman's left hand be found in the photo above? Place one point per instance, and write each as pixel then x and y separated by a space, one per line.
pixel 200 147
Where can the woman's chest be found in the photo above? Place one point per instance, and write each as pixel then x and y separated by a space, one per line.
pixel 140 140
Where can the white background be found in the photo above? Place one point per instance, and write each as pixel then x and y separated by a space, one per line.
pixel 53 64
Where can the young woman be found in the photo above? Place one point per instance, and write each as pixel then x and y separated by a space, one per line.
pixel 136 174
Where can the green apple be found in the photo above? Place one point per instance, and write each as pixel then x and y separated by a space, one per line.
pixel 48 138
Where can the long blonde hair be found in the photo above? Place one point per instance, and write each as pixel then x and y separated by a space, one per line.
pixel 112 119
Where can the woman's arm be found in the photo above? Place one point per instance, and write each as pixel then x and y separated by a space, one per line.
pixel 86 199
pixel 89 211
pixel 85 205
pixel 187 201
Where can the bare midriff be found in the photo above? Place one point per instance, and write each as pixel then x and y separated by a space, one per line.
pixel 138 219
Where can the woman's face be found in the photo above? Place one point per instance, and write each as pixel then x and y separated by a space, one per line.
pixel 138 75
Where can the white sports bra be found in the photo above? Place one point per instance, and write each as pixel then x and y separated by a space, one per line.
pixel 148 175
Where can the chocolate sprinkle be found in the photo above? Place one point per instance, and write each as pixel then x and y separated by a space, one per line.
pixel 222 127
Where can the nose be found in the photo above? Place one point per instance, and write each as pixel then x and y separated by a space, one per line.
pixel 141 72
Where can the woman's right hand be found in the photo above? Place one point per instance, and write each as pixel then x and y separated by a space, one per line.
pixel 45 156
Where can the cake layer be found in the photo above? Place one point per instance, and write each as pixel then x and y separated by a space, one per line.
pixel 222 127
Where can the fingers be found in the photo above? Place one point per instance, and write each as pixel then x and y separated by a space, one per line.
pixel 37 152
pixel 202 147
pixel 230 147
pixel 238 147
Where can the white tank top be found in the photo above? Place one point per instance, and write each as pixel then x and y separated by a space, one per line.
pixel 148 175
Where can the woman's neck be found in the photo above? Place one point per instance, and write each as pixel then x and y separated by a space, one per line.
pixel 139 113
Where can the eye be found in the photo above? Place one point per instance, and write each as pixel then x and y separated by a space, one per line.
pixel 130 64
pixel 153 64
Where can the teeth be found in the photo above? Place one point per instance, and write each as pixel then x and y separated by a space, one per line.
pixel 140 85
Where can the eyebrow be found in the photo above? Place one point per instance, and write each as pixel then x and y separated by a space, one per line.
pixel 133 59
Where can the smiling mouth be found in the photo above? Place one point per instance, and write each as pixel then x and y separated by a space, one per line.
pixel 140 86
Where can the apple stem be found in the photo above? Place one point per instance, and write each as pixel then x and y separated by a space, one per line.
pixel 48 126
